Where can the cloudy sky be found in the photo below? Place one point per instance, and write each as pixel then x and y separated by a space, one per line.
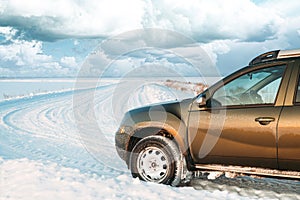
pixel 52 38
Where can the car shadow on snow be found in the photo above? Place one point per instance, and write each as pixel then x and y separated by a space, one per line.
pixel 251 187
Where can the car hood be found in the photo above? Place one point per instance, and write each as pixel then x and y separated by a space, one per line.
pixel 176 108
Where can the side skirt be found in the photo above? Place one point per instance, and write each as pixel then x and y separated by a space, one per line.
pixel 249 171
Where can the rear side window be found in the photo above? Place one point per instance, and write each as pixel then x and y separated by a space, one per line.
pixel 298 91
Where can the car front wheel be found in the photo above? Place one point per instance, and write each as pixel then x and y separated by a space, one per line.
pixel 156 159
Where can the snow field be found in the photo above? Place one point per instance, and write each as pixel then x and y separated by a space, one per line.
pixel 43 156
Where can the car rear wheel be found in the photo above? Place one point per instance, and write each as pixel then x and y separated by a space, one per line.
pixel 156 159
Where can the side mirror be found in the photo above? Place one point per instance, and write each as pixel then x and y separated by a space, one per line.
pixel 201 101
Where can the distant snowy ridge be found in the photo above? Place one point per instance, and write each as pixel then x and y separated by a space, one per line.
pixel 7 97
pixel 196 88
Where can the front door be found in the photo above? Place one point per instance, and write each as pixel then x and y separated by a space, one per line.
pixel 238 125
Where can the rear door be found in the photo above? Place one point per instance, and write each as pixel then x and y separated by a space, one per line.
pixel 289 125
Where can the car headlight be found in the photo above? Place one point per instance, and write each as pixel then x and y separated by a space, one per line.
pixel 125 129
pixel 122 130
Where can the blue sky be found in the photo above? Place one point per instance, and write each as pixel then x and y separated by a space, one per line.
pixel 53 38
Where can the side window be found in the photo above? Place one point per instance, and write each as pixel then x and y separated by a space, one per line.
pixel 256 87
pixel 298 91
pixel 269 92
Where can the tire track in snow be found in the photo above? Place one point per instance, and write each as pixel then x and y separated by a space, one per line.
pixel 44 129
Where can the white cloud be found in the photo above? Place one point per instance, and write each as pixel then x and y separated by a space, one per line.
pixel 141 67
pixel 215 48
pixel 203 20
pixel 76 42
pixel 214 20
pixel 8 32
pixel 95 64
pixel 68 61
pixel 26 58
pixel 222 28
pixel 49 19
pixel 183 61
pixel 24 53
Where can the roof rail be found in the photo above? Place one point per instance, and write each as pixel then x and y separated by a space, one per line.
pixel 271 55
pixel 274 55
pixel 289 53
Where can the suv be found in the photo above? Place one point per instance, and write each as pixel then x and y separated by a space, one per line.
pixel 247 123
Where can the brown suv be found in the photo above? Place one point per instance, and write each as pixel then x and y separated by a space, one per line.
pixel 247 123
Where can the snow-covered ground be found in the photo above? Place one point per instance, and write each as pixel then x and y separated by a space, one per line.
pixel 43 156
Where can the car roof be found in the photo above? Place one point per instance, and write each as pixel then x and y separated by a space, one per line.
pixel 275 55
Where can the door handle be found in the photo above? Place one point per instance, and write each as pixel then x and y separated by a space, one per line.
pixel 265 120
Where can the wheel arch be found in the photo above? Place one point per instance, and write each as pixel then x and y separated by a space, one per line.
pixel 174 129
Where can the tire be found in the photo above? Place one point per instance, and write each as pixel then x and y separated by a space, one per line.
pixel 156 159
